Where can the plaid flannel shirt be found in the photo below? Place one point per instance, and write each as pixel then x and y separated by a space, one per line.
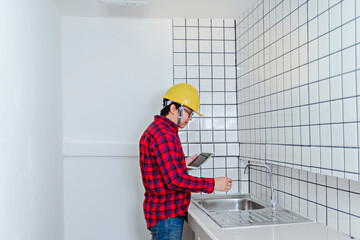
pixel 167 184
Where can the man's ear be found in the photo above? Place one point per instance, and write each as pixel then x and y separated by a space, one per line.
pixel 173 109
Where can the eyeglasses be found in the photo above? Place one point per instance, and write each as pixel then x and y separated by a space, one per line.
pixel 191 113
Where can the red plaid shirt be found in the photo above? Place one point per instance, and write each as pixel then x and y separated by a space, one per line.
pixel 167 184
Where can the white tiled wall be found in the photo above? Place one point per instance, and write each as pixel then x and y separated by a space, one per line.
pixel 297 97
pixel 298 105
pixel 298 85
pixel 205 56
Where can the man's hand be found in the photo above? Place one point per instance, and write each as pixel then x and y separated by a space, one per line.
pixel 223 184
pixel 189 159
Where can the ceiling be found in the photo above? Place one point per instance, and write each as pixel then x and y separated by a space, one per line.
pixel 156 9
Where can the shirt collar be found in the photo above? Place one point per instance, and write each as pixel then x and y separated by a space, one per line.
pixel 168 122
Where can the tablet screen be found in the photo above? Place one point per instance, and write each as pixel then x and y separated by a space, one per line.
pixel 200 159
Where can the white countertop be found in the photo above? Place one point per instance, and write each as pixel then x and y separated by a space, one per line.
pixel 199 221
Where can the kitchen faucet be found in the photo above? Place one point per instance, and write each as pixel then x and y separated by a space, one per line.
pixel 272 199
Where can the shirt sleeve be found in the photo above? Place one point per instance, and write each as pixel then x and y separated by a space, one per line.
pixel 172 168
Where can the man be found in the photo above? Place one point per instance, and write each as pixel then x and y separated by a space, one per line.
pixel 167 184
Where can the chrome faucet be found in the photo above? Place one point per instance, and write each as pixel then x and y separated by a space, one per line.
pixel 272 199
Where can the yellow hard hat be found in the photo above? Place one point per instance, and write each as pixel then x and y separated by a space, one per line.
pixel 185 94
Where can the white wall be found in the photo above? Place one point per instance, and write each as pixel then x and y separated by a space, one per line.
pixel 31 171
pixel 103 197
pixel 115 73
pixel 157 9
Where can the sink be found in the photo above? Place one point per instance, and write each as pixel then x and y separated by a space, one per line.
pixel 230 204
pixel 244 210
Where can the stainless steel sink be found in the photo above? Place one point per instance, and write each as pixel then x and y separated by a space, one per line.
pixel 229 204
pixel 244 210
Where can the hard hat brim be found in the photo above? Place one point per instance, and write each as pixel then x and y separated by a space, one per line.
pixel 198 113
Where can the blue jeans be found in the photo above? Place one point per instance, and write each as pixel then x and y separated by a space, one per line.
pixel 168 229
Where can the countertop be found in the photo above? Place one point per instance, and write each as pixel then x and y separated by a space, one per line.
pixel 205 228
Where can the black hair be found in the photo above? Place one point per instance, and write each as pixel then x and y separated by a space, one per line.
pixel 166 108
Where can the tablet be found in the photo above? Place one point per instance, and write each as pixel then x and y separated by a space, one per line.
pixel 199 160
